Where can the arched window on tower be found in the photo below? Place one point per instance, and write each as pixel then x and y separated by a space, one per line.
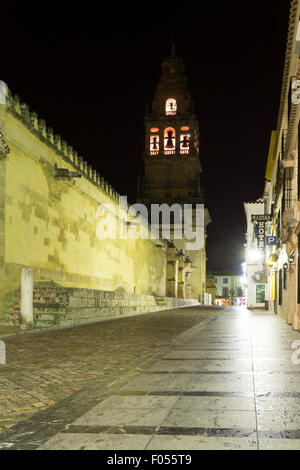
pixel 169 141
pixel 154 141
pixel 184 140
pixel 171 106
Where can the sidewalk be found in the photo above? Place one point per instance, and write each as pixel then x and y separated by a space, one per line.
pixel 232 385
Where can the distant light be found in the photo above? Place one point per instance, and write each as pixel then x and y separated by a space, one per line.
pixel 255 255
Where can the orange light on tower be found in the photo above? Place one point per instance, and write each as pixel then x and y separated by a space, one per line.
pixel 196 141
pixel 169 141
pixel 154 144
pixel 184 143
pixel 171 106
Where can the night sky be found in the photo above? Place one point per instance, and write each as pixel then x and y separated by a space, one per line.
pixel 90 72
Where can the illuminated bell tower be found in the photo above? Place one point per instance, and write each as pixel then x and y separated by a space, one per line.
pixel 171 160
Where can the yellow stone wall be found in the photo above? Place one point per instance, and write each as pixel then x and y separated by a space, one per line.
pixel 50 225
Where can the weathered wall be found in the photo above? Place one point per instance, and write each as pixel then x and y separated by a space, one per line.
pixel 2 225
pixel 50 224
pixel 57 306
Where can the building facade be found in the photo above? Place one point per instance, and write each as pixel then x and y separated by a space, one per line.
pixel 256 285
pixel 282 193
pixel 280 204
pixel 229 289
pixel 211 286
pixel 172 166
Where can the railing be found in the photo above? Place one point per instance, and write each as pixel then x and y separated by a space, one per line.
pixel 169 152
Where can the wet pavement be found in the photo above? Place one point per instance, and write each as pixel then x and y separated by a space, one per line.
pixel 231 383
pixel 43 368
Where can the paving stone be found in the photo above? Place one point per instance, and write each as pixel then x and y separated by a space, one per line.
pixel 200 393
pixel 200 443
pixel 50 366
pixel 96 442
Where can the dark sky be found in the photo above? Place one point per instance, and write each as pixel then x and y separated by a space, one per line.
pixel 89 73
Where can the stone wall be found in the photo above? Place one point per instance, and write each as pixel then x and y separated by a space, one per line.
pixel 2 224
pixel 49 218
pixel 58 306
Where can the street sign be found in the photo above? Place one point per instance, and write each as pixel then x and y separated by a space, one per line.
pixel 261 217
pixel 271 240
pixel 261 233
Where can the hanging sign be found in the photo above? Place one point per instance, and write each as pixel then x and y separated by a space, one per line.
pixel 261 217
pixel 261 235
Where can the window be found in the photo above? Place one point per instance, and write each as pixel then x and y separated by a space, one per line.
pixel 154 144
pixel 171 106
pixel 225 291
pixel 169 141
pixel 184 143
pixel 284 277
pixel 225 280
pixel 288 187
pixel 283 141
pixel 260 293
pixel 278 227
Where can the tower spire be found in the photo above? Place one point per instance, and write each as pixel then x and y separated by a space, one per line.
pixel 173 50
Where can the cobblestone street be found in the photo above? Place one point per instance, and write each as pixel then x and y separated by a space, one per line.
pixel 226 383
pixel 46 367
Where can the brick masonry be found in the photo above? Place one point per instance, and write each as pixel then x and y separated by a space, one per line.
pixel 58 306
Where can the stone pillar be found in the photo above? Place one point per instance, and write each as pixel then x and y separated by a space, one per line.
pixel 26 297
pixel 2 352
pixel 181 278
pixel 188 280
pixel 172 273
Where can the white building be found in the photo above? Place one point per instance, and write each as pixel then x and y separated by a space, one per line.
pixel 229 289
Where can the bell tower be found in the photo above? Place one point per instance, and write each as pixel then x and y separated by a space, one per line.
pixel 171 159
